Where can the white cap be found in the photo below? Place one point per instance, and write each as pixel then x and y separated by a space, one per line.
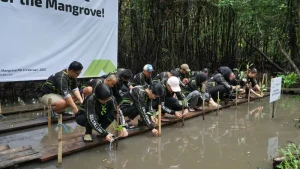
pixel 148 67
pixel 173 82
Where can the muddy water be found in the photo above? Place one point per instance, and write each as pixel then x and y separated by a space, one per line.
pixel 246 137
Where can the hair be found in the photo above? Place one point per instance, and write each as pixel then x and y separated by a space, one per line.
pixel 111 77
pixel 253 70
pixel 157 89
pixel 76 66
pixel 126 73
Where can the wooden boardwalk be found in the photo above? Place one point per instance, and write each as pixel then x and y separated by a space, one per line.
pixel 11 157
pixel 74 143
pixel 23 123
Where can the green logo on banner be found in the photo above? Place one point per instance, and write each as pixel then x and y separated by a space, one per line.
pixel 97 66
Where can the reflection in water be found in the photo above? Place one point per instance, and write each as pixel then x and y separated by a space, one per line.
pixel 237 138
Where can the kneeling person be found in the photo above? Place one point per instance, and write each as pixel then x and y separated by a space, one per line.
pixel 97 112
pixel 139 102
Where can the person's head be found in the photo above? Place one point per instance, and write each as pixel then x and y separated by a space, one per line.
pixel 111 80
pixel 155 91
pixel 252 72
pixel 201 78
pixel 126 75
pixel 205 70
pixel 75 69
pixel 174 73
pixel 103 93
pixel 227 73
pixel 147 70
pixel 184 68
pixel 173 84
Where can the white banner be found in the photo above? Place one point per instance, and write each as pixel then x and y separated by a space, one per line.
pixel 41 37
pixel 275 90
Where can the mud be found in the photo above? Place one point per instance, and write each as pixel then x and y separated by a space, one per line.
pixel 246 137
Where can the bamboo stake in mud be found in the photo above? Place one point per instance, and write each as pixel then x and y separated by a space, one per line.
pixel 203 89
pixel 182 119
pixel 159 120
pixel 236 96
pixel 49 112
pixel 117 125
pixel 59 154
pixel 218 101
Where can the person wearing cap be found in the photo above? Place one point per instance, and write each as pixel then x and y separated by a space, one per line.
pixel 183 71
pixel 88 87
pixel 248 81
pixel 143 78
pixel 195 88
pixel 220 82
pixel 164 75
pixel 139 102
pixel 62 89
pixel 123 84
pixel 169 103
pixel 97 112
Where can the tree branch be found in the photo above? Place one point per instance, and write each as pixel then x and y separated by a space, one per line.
pixel 265 56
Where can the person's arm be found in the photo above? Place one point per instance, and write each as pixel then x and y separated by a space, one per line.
pixel 139 97
pixel 220 79
pixel 91 116
pixel 62 84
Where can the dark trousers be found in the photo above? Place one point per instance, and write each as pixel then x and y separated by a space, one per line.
pixel 222 91
pixel 129 111
pixel 105 121
pixel 173 104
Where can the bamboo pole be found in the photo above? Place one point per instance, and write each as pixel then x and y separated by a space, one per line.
pixel 59 154
pixel 218 103
pixel 159 119
pixel 0 109
pixel 236 96
pixel 49 112
pixel 117 125
pixel 203 89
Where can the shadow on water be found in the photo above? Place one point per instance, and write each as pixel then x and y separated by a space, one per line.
pixel 243 137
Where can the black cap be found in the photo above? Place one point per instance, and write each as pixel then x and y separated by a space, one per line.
pixel 157 89
pixel 200 78
pixel 205 70
pixel 103 91
pixel 126 74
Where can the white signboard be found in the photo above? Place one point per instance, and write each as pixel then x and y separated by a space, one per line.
pixel 41 37
pixel 275 89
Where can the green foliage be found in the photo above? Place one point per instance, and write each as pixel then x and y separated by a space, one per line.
pixel 289 79
pixel 290 157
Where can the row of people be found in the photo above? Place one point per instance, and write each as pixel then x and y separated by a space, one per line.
pixel 101 98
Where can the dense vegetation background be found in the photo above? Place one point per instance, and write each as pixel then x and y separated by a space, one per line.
pixel 202 33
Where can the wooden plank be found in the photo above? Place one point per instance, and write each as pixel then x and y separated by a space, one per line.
pixel 75 143
pixel 22 108
pixel 28 124
pixel 14 155
pixel 19 149
pixel 13 162
pixel 4 147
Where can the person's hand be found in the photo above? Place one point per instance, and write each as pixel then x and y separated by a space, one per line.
pixel 109 137
pixel 75 110
pixel 178 114
pixel 154 119
pixel 185 81
pixel 124 133
pixel 261 95
pixel 155 132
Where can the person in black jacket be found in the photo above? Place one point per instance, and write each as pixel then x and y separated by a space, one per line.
pixel 62 89
pixel 97 112
pixel 88 87
pixel 143 78
pixel 220 82
pixel 194 90
pixel 249 81
pixel 138 101
pixel 170 104
pixel 164 75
